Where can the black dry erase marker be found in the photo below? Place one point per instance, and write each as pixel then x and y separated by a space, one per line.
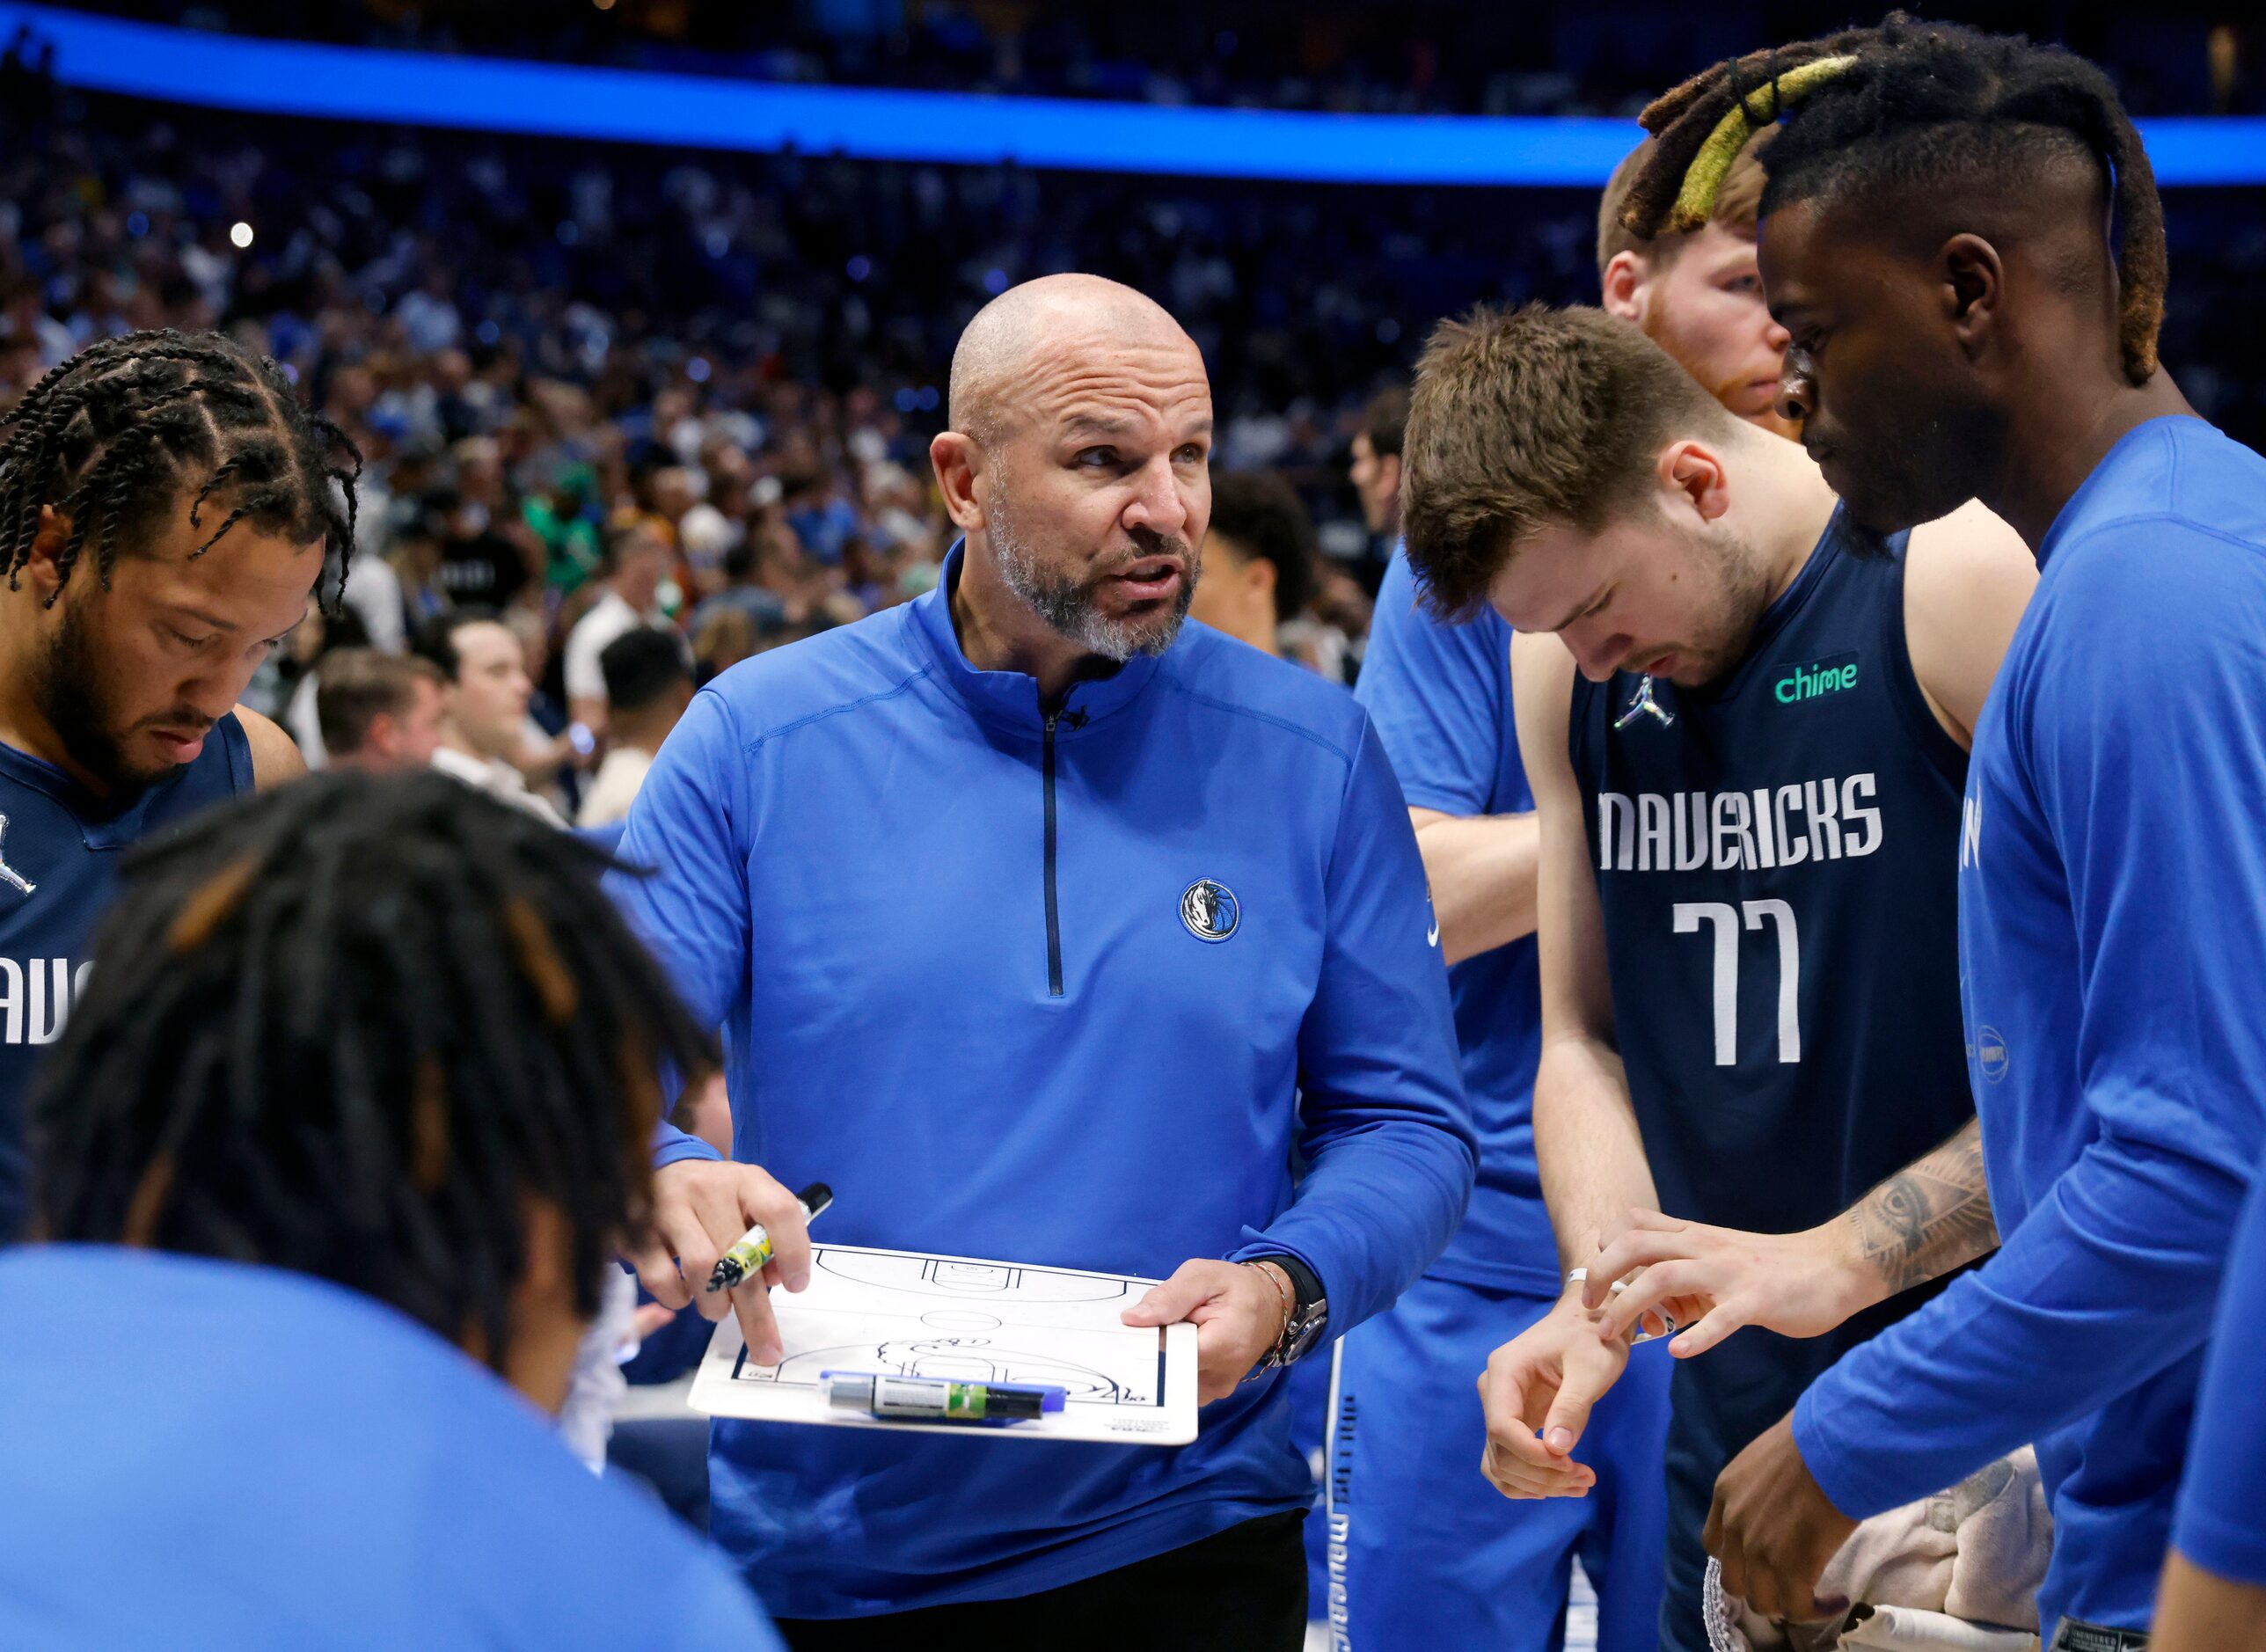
pixel 747 1259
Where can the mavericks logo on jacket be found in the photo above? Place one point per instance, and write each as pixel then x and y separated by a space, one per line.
pixel 1210 910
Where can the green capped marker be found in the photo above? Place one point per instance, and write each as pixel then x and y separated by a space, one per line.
pixel 748 1258
pixel 937 1399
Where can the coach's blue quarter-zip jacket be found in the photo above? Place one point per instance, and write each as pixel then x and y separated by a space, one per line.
pixel 1048 989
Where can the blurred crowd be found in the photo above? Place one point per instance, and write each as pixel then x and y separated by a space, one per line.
pixel 590 399
pixel 1420 57
pixel 600 388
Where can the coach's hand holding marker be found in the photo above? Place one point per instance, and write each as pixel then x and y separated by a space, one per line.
pixel 754 1250
pixel 1240 1310
pixel 701 1208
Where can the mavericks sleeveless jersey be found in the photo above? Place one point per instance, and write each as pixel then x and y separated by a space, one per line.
pixel 59 851
pixel 1776 858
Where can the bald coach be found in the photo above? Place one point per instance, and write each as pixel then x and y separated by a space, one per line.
pixel 1031 910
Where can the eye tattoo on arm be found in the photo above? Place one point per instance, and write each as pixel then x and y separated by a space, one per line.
pixel 1929 1217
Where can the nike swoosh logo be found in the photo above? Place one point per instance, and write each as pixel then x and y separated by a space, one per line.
pixel 1432 935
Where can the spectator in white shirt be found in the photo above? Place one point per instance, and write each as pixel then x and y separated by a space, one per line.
pixel 484 705
pixel 637 561
pixel 648 685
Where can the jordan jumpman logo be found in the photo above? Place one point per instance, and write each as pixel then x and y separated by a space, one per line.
pixel 9 875
pixel 1641 702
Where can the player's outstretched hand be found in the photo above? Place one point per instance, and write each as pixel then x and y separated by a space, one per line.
pixel 1712 1280
pixel 1538 1390
pixel 1238 1310
pixel 700 1209
pixel 1773 1527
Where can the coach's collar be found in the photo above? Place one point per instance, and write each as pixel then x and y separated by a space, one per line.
pixel 1011 698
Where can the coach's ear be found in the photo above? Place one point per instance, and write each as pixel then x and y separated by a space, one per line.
pixel 1692 481
pixel 960 477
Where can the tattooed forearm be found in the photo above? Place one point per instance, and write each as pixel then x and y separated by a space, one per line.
pixel 1928 1217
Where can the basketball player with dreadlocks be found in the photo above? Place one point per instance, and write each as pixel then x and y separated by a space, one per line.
pixel 1962 233
pixel 348 1125
pixel 167 508
pixel 1748 810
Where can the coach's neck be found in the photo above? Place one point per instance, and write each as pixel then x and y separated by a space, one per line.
pixel 999 631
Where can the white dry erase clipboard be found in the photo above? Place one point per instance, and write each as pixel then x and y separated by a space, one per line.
pixel 903 1313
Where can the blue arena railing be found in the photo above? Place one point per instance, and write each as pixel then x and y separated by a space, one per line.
pixel 189 66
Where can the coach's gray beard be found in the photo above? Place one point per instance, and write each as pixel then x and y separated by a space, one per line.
pixel 1068 605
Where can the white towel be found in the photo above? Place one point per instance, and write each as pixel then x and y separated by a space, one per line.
pixel 1913 1630
pixel 1969 1559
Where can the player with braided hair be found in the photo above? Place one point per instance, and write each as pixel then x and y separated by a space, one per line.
pixel 1895 133
pixel 167 507
pixel 365 1085
pixel 1961 232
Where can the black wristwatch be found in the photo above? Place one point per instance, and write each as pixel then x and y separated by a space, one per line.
pixel 1310 1313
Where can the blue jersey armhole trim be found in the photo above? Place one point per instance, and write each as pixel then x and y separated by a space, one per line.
pixel 242 778
pixel 1942 752
pixel 1582 698
pixel 1832 545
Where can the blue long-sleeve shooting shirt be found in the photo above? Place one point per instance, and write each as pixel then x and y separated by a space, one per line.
pixel 2113 941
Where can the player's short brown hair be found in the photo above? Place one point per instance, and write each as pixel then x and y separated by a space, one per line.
pixel 353 687
pixel 1738 205
pixel 1524 417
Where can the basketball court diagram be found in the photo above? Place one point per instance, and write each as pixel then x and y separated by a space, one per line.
pixel 951 1277
pixel 973 1358
pixel 902 1313
pixel 973 1336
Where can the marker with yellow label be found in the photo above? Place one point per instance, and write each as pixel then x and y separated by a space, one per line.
pixel 750 1257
